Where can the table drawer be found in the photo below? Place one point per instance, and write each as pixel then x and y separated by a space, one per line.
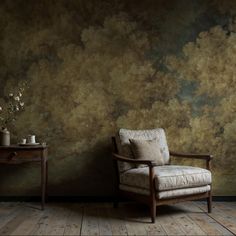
pixel 19 156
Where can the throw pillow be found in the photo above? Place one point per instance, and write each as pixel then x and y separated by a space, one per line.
pixel 147 150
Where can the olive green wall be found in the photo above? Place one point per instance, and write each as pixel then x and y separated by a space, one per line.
pixel 95 66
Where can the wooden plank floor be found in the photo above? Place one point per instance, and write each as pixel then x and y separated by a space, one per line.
pixel 188 218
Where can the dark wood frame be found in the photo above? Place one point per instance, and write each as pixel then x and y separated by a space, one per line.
pixel 151 199
pixel 16 154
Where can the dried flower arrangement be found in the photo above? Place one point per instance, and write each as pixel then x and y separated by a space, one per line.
pixel 13 104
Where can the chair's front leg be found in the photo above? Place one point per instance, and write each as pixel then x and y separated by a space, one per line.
pixel 152 195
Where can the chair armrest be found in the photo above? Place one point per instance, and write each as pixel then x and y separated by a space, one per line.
pixel 206 157
pixel 150 165
pixel 134 161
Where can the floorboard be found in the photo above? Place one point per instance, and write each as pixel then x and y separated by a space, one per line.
pixel 74 220
pixel 222 217
pixel 188 218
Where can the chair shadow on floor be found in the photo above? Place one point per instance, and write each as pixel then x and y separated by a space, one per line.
pixel 133 212
pixel 126 212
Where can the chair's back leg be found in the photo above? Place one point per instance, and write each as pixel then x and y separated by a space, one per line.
pixel 153 210
pixel 209 202
pixel 116 197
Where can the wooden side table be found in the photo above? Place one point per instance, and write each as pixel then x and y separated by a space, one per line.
pixel 16 154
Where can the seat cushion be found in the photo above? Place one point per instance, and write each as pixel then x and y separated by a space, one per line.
pixel 124 144
pixel 169 193
pixel 167 177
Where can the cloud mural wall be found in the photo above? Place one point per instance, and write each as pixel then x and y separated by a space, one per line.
pixel 96 66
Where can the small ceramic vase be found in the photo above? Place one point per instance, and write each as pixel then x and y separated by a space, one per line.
pixel 4 137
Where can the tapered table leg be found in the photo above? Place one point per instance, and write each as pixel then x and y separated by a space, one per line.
pixel 46 191
pixel 43 177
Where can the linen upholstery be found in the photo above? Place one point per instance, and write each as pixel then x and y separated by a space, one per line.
pixel 167 177
pixel 123 143
pixel 122 166
pixel 169 193
pixel 147 150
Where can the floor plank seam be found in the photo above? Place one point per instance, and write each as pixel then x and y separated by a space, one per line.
pixel 208 214
pixel 220 224
pixel 161 226
pixel 96 219
pixel 82 219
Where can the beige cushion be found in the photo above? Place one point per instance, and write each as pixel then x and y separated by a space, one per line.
pixel 124 143
pixel 167 177
pixel 169 193
pixel 147 150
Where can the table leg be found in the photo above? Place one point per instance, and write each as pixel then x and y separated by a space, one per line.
pixel 43 178
pixel 46 191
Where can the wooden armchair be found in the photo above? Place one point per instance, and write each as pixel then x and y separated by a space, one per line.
pixel 159 185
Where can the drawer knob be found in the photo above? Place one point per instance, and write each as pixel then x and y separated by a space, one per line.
pixel 12 154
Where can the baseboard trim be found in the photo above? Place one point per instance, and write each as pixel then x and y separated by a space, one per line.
pixel 224 198
pixel 57 199
pixel 88 199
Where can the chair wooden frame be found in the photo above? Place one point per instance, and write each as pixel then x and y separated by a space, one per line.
pixel 151 199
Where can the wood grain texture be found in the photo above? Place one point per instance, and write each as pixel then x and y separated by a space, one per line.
pixel 8 211
pixel 188 218
pixel 104 221
pixel 74 220
pixel 30 219
pixel 90 224
pixel 225 217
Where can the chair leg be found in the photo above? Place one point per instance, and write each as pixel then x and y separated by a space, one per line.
pixel 209 203
pixel 153 211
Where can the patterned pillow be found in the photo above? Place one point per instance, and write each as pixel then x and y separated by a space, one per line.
pixel 147 150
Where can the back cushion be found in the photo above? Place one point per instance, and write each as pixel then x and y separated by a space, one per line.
pixel 124 144
pixel 123 166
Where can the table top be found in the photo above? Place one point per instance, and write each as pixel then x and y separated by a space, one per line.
pixel 17 146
